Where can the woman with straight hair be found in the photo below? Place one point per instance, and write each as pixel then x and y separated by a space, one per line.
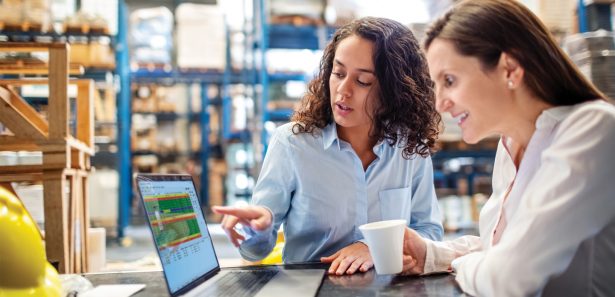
pixel 549 226
pixel 357 151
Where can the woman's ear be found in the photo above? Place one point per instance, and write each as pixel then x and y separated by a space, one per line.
pixel 513 71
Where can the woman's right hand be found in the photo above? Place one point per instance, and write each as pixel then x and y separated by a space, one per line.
pixel 256 217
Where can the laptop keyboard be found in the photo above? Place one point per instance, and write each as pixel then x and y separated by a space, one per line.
pixel 239 283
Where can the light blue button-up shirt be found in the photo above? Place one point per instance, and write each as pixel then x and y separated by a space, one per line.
pixel 315 185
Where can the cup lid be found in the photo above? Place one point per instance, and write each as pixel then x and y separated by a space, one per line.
pixel 382 224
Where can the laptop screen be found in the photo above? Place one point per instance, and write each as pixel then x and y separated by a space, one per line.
pixel 179 228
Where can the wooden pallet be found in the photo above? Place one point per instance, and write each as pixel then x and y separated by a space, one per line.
pixel 31 66
pixel 151 67
pixel 66 157
pixel 30 27
pixel 85 29
pixel 201 70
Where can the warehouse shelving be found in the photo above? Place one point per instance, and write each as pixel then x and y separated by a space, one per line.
pixel 161 75
pixel 472 163
pixel 205 79
pixel 297 37
pixel 166 76
pixel 282 36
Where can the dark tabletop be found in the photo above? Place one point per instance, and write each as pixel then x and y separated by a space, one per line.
pixel 360 284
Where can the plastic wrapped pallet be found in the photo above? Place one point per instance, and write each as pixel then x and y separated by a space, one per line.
pixel 201 36
pixel 312 9
pixel 11 12
pixel 589 42
pixel 599 68
pixel 35 13
pixel 594 54
pixel 557 15
pixel 38 12
pixel 151 35
pixel 293 61
pixel 340 12
pixel 103 184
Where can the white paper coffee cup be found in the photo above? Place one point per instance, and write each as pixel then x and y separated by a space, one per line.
pixel 385 240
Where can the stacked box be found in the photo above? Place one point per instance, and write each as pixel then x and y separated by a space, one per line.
pixel 201 37
pixel 30 15
pixel 312 9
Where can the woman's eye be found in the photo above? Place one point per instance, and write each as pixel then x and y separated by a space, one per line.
pixel 364 84
pixel 448 80
pixel 337 74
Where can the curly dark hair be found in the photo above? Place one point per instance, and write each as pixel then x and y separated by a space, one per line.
pixel 405 114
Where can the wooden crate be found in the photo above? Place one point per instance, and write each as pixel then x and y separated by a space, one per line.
pixel 66 157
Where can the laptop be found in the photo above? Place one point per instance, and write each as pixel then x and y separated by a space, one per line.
pixel 187 254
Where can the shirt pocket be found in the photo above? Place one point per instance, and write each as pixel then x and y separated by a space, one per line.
pixel 395 204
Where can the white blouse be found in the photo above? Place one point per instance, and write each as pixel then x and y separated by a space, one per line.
pixel 559 235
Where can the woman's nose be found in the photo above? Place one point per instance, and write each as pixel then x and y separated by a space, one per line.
pixel 443 104
pixel 344 88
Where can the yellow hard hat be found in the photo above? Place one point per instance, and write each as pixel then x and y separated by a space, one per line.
pixel 23 263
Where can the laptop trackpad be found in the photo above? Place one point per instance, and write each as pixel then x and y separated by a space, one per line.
pixel 298 282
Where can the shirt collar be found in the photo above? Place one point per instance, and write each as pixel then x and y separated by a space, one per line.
pixel 329 136
pixel 379 147
pixel 551 116
pixel 547 119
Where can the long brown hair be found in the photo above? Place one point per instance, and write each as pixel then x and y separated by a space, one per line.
pixel 486 28
pixel 405 114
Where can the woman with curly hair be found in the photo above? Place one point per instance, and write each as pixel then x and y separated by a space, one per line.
pixel 356 151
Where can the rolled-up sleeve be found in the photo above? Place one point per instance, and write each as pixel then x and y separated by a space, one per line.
pixel 440 254
pixel 273 190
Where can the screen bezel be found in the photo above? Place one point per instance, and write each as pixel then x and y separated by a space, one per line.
pixel 176 177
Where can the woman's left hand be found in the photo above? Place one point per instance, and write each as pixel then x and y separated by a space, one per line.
pixel 350 259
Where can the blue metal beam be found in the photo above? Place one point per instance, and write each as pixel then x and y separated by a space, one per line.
pixel 123 121
pixel 172 76
pixel 204 146
pixel 227 104
pixel 264 76
pixel 582 16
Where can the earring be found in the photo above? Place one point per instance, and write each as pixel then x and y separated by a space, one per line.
pixel 510 84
